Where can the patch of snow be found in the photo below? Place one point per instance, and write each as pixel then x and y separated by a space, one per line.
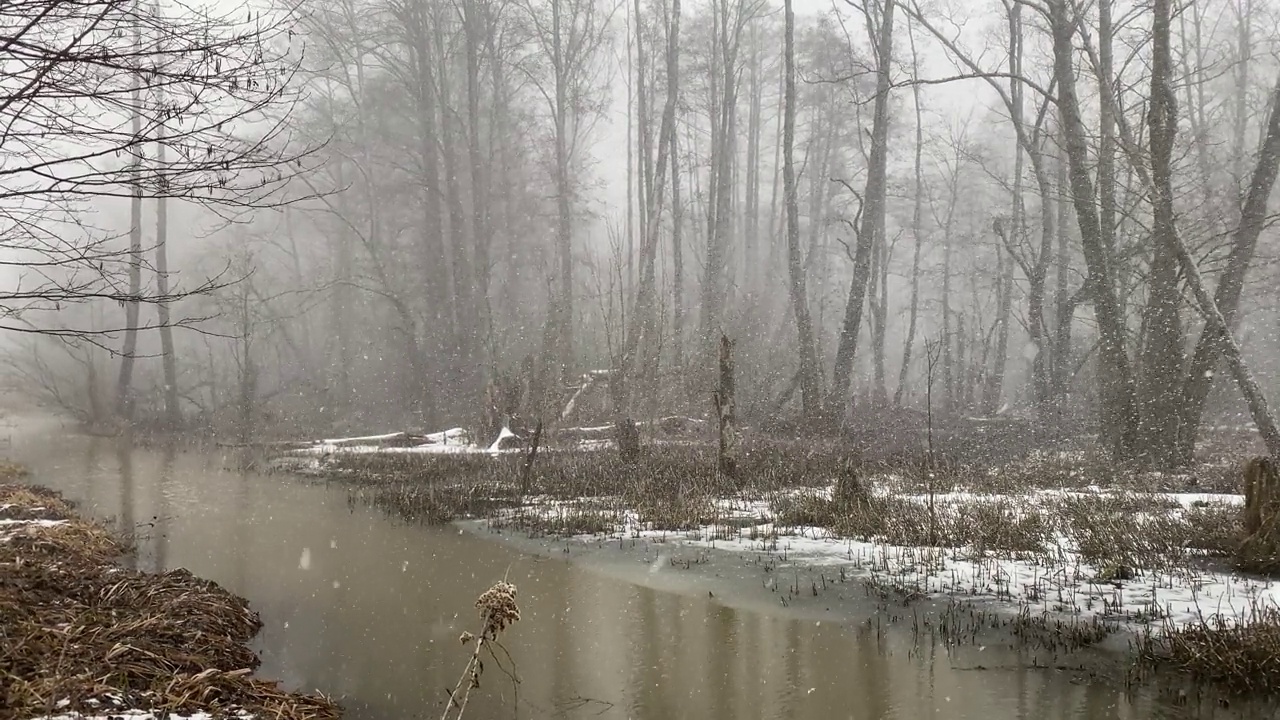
pixel 363 439
pixel 136 715
pixel 1056 581
pixel 36 523
pixel 503 435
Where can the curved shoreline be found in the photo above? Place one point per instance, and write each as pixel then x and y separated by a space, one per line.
pixel 1092 651
pixel 82 636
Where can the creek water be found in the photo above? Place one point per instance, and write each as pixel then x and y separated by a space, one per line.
pixel 370 609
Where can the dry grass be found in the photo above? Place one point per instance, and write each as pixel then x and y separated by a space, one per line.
pixel 1239 657
pixel 79 633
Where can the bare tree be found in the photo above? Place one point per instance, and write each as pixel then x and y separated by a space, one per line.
pixel 880 32
pixel 809 381
pixel 87 83
pixel 571 35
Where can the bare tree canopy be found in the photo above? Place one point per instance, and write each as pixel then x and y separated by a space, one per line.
pixel 122 99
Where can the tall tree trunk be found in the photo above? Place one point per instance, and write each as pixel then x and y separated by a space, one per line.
pixel 809 386
pixel 642 336
pixel 631 164
pixel 439 323
pixel 917 231
pixel 994 384
pixel 1064 304
pixel 752 260
pixel 872 215
pixel 564 217
pixel 1244 242
pixel 677 238
pixel 172 411
pixel 124 384
pixel 714 284
pixel 473 18
pixel 1162 351
pixel 1119 410
pixel 466 311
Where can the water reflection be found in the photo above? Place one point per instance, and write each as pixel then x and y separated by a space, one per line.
pixel 369 608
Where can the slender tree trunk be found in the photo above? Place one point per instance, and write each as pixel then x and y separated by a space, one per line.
pixel 631 164
pixel 720 209
pixel 752 260
pixel 809 387
pixel 172 411
pixel 464 291
pixel 872 216
pixel 564 216
pixel 473 19
pixel 948 336
pixel 880 312
pixel 917 232
pixel 994 384
pixel 677 238
pixel 642 336
pixel 1064 305
pixel 439 323
pixel 124 384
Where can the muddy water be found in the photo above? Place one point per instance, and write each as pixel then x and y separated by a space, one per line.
pixel 370 610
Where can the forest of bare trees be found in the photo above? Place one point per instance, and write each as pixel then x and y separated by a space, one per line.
pixel 428 204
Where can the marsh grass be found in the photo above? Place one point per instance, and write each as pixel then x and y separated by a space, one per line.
pixel 1241 657
pixel 1089 524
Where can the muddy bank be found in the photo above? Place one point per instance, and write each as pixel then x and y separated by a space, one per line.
pixel 80 634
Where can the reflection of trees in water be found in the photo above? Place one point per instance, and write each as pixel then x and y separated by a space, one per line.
pixel 160 532
pixel 124 459
pixel 652 695
pixel 90 476
pixel 724 652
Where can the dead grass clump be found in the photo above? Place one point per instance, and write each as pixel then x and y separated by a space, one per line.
pixel 887 518
pixel 564 521
pixel 1213 529
pixel 1064 469
pixel 1113 533
pixel 78 633
pixel 1002 526
pixel 24 502
pixel 1240 657
pixel 11 472
pixel 807 510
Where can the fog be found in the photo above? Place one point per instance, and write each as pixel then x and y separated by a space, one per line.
pixel 422 214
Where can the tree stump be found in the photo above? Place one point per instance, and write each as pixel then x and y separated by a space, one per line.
pixel 726 411
pixel 1260 550
pixel 627 435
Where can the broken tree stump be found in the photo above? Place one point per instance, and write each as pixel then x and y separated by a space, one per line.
pixel 526 471
pixel 1260 550
pixel 726 411
pixel 627 435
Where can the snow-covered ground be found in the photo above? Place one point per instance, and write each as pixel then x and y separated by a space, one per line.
pixel 1055 581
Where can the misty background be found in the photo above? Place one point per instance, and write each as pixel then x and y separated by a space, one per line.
pixel 443 206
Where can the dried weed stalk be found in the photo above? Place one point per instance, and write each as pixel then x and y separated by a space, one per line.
pixel 498 611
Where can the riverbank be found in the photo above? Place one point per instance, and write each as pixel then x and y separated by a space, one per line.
pixel 82 636
pixel 1060 547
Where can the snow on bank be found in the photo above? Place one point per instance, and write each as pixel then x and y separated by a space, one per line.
pixel 1056 581
pixel 8 528
pixel 136 715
